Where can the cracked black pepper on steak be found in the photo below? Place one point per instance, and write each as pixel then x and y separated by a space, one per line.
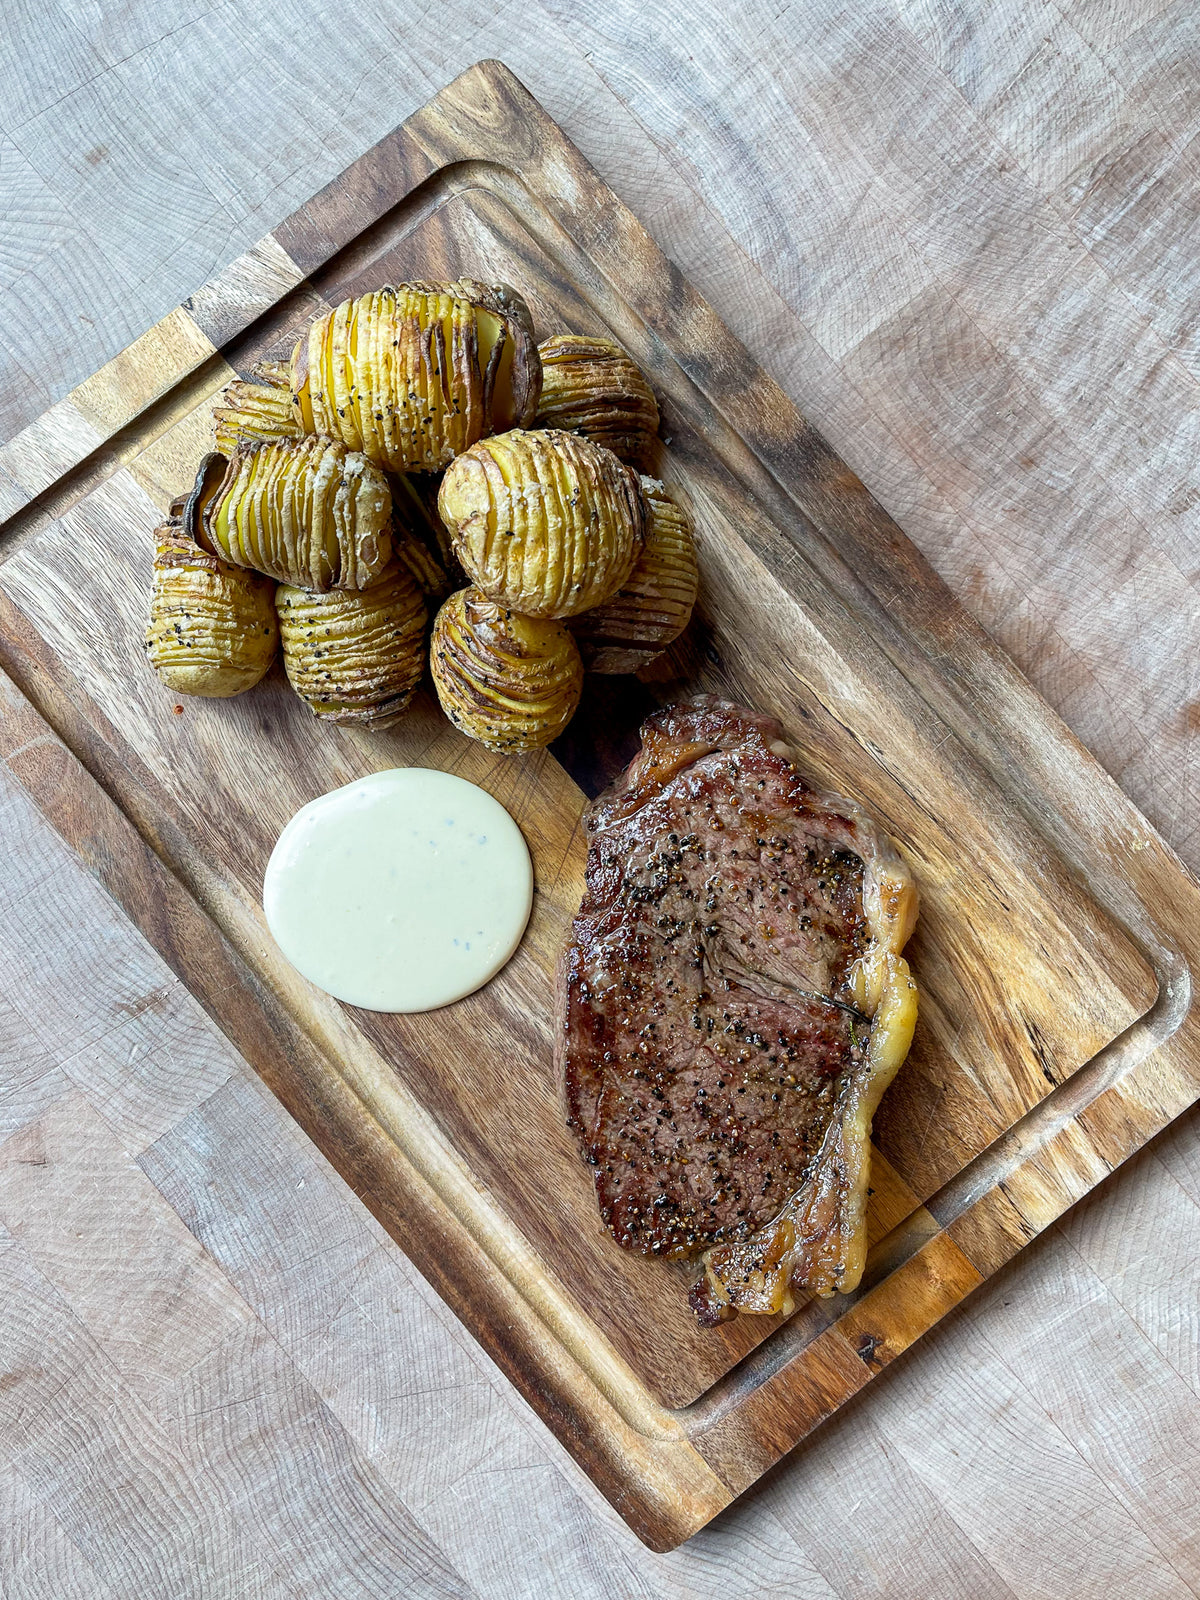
pixel 716 1036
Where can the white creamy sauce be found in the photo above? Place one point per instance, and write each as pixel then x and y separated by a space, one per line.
pixel 401 892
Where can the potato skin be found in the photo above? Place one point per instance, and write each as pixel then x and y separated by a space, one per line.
pixel 212 629
pixel 355 657
pixel 253 409
pixel 431 577
pixel 654 605
pixel 418 537
pixel 305 511
pixel 414 374
pixel 591 386
pixel 510 681
pixel 414 505
pixel 546 523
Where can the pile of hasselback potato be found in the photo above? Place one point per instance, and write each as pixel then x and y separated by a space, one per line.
pixel 421 455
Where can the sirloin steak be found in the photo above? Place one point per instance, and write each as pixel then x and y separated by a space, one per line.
pixel 734 1004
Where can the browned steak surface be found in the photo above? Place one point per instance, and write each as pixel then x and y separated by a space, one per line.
pixel 707 1021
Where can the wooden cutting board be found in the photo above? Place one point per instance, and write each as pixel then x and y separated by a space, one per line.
pixel 1057 933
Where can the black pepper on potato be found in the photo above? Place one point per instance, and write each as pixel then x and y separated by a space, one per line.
pixel 592 387
pixel 211 630
pixel 421 449
pixel 654 604
pixel 304 511
pixel 355 657
pixel 512 682
pixel 413 375
pixel 545 522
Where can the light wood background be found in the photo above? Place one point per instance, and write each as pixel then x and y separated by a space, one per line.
pixel 962 237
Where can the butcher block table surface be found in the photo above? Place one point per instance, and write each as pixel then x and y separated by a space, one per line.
pixel 962 237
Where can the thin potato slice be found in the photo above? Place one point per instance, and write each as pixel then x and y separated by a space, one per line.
pixel 211 630
pixel 254 409
pixel 355 657
pixel 590 386
pixel 654 605
pixel 547 524
pixel 305 511
pixel 512 682
pixel 413 375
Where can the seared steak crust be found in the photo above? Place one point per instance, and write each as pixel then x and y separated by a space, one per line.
pixel 711 1021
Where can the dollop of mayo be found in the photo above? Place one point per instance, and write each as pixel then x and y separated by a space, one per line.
pixel 401 892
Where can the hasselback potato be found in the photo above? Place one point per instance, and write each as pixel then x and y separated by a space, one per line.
pixel 654 604
pixel 590 386
pixel 418 536
pixel 212 628
pixel 415 555
pixel 414 375
pixel 355 657
pixel 513 682
pixel 306 511
pixel 546 523
pixel 414 504
pixel 257 408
